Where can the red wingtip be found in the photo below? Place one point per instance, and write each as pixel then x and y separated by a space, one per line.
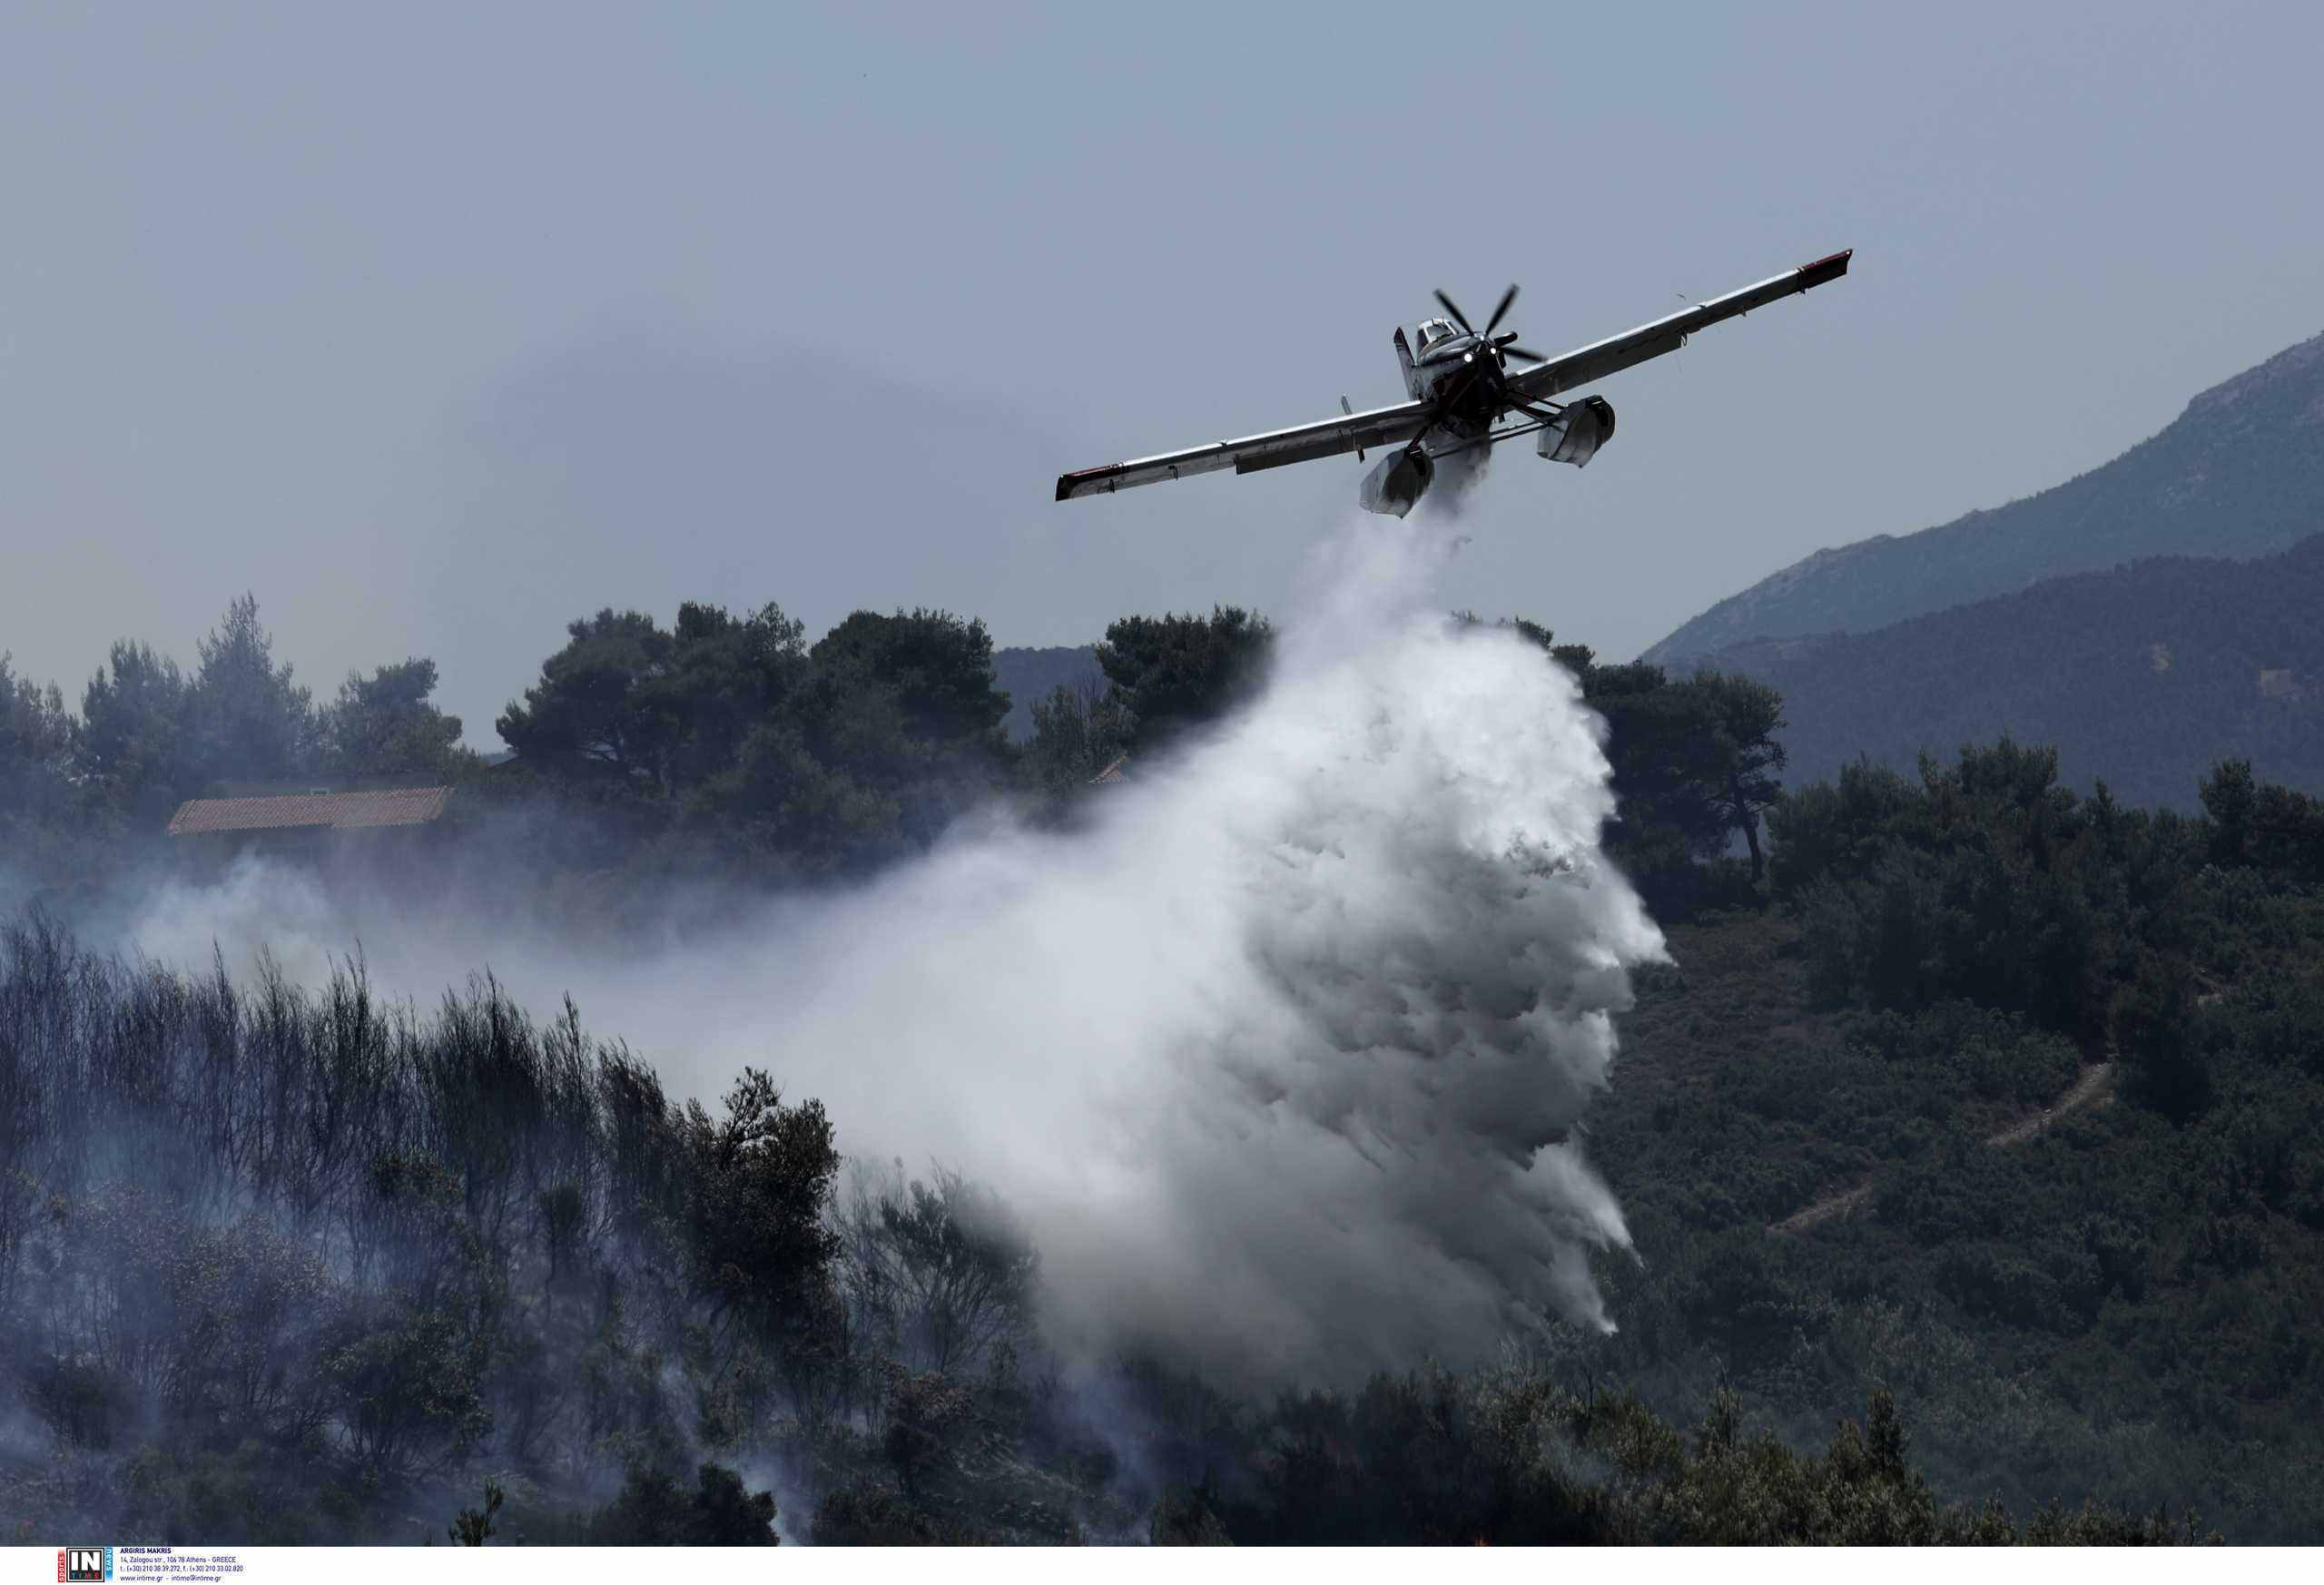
pixel 1836 263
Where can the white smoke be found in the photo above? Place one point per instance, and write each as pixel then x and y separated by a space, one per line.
pixel 1278 1058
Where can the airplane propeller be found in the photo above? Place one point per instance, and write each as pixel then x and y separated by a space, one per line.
pixel 1507 298
pixel 1506 344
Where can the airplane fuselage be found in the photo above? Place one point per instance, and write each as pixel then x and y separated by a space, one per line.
pixel 1460 372
pixel 1464 378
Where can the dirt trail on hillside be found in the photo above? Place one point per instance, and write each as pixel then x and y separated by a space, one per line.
pixel 2096 1078
pixel 1823 1208
pixel 2095 1084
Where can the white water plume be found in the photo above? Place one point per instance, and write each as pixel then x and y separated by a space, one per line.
pixel 1278 1058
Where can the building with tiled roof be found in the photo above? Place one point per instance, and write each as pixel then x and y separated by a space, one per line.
pixel 316 807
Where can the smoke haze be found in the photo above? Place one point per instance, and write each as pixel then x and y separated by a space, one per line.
pixel 1278 1053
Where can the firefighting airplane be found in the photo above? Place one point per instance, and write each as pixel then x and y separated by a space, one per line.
pixel 1461 388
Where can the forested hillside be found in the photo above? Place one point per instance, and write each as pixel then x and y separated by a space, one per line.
pixel 2240 474
pixel 2013 1102
pixel 1971 1145
pixel 2141 677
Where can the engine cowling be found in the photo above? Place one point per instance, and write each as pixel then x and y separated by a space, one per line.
pixel 1576 434
pixel 1397 481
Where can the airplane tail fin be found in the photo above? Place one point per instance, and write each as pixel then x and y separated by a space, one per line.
pixel 1405 357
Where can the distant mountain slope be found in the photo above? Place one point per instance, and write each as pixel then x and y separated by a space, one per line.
pixel 1029 674
pixel 2142 675
pixel 2240 474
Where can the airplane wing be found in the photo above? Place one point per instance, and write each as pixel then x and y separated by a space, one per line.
pixel 1275 448
pixel 1600 359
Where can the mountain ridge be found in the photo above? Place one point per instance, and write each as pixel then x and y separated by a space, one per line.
pixel 2238 474
pixel 2141 677
pixel 1028 675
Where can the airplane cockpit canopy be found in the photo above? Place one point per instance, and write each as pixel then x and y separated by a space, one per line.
pixel 1431 331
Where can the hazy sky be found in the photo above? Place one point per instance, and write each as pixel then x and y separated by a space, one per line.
pixel 435 326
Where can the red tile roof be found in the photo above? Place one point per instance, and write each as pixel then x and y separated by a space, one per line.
pixel 336 810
